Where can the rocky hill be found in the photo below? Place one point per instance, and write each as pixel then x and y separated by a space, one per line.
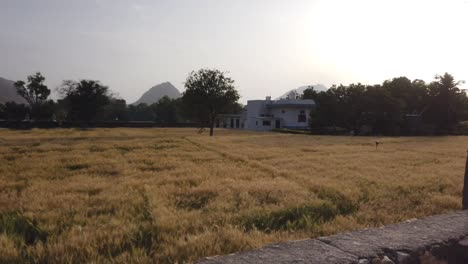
pixel 8 92
pixel 157 92
pixel 300 90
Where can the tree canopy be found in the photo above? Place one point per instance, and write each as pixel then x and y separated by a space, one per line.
pixel 84 99
pixel 389 108
pixel 209 93
pixel 36 94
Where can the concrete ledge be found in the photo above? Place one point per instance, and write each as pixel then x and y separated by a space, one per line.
pixel 435 239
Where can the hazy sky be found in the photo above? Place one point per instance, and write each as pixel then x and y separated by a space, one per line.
pixel 268 46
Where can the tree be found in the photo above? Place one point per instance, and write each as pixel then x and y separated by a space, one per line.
pixel 166 110
pixel 14 111
pixel 446 103
pixel 116 110
pixel 35 92
pixel 309 93
pixel 84 99
pixel 141 112
pixel 209 93
pixel 2 112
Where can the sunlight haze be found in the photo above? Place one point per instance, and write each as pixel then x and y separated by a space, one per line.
pixel 268 47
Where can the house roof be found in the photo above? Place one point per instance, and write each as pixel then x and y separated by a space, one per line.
pixel 306 103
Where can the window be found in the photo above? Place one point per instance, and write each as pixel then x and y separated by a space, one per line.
pixel 301 118
pixel 266 123
pixel 237 123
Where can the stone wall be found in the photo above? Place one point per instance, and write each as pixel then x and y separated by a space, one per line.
pixel 432 240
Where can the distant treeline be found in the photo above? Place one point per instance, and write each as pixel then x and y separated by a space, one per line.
pixel 88 102
pixel 398 106
pixel 395 107
pixel 166 110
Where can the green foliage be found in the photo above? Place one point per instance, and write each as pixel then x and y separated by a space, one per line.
pixel 343 204
pixel 306 216
pixel 80 166
pixel 35 92
pixel 148 234
pixel 209 93
pixel 195 200
pixel 300 217
pixel 309 93
pixel 291 131
pixel 14 111
pixel 84 99
pixel 116 110
pixel 384 108
pixel 166 110
pixel 20 227
pixel 446 104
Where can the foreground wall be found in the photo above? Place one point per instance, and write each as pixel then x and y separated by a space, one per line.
pixel 432 240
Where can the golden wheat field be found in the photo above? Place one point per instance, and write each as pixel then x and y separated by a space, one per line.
pixel 175 196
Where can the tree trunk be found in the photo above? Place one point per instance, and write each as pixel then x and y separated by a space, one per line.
pixel 465 187
pixel 212 121
pixel 211 128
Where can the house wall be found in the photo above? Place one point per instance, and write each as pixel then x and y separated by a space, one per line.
pixel 255 109
pixel 257 124
pixel 289 119
pixel 234 122
pixel 257 112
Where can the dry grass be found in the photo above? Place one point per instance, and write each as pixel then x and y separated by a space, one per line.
pixel 172 195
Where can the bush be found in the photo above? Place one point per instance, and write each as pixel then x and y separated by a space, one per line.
pixel 291 131
pixel 291 218
pixel 19 226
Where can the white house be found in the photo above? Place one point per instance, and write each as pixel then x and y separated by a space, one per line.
pixel 265 115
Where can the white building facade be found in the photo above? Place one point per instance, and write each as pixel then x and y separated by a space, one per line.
pixel 266 115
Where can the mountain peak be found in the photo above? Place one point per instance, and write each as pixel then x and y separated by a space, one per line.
pixel 300 90
pixel 8 92
pixel 157 92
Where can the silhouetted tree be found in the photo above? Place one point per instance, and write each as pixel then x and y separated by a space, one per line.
pixel 166 110
pixel 445 104
pixel 35 92
pixel 2 112
pixel 141 112
pixel 309 93
pixel 209 93
pixel 116 110
pixel 385 108
pixel 84 99
pixel 14 111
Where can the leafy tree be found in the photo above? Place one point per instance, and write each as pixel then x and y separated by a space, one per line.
pixel 84 99
pixel 445 106
pixel 2 112
pixel 35 92
pixel 116 110
pixel 209 93
pixel 141 112
pixel 309 93
pixel 14 111
pixel 166 110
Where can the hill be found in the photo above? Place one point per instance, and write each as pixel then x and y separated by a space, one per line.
pixel 157 92
pixel 300 90
pixel 8 92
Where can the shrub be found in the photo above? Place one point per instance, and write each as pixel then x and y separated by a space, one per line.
pixel 291 218
pixel 194 200
pixel 343 204
pixel 19 226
